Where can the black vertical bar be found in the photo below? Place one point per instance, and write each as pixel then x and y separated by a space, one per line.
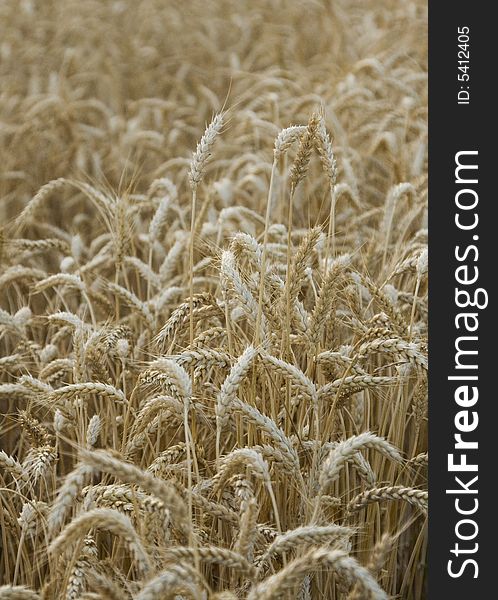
pixel 454 128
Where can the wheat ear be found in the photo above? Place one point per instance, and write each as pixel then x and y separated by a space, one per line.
pixel 102 518
pixel 344 566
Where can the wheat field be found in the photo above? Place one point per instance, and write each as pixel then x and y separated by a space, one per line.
pixel 213 299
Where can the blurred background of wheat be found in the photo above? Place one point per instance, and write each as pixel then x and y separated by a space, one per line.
pixel 213 366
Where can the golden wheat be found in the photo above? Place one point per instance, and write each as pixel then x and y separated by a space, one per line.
pixel 213 299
